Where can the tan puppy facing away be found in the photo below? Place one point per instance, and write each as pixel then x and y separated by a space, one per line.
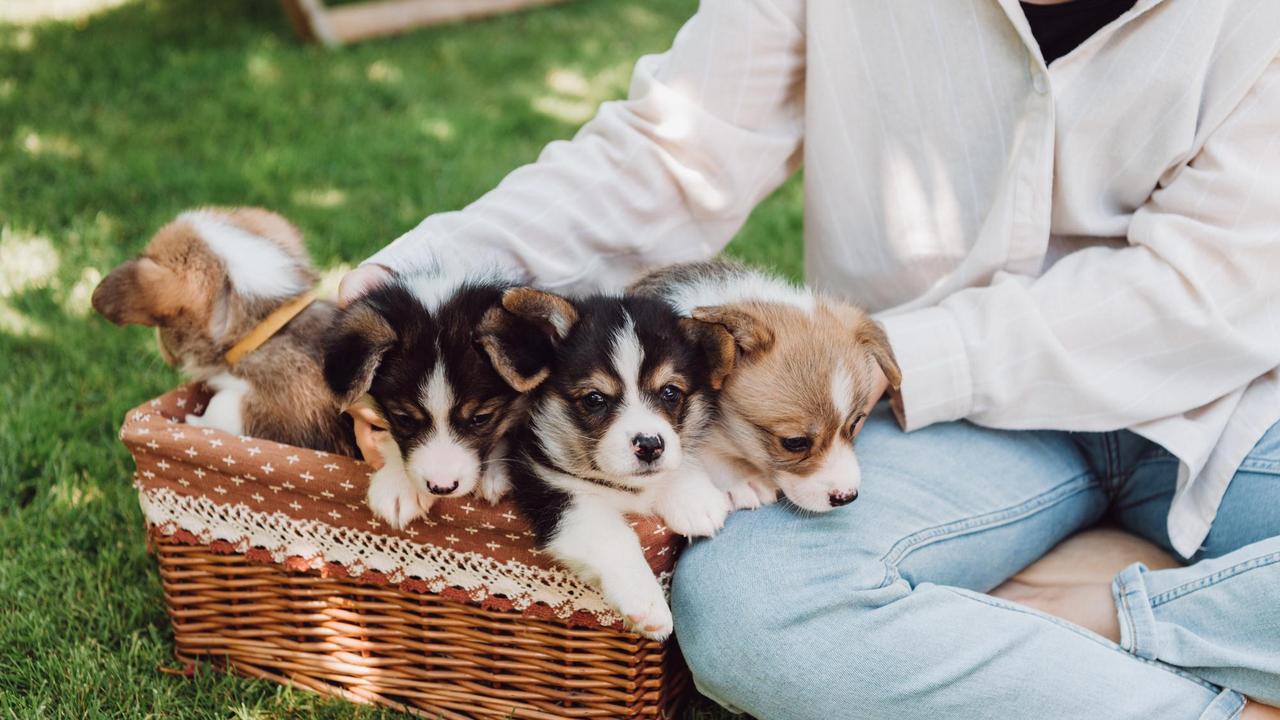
pixel 805 368
pixel 228 290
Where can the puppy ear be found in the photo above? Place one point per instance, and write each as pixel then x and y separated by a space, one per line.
pixel 872 337
pixel 519 348
pixel 134 292
pixel 718 346
pixel 751 336
pixel 554 314
pixel 359 338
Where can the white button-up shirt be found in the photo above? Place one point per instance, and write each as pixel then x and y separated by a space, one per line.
pixel 1089 246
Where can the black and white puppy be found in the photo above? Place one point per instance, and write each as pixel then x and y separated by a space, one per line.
pixel 614 429
pixel 410 351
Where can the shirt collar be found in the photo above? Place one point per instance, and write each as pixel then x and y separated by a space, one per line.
pixel 1013 10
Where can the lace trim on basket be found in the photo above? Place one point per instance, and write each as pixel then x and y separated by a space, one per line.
pixel 358 552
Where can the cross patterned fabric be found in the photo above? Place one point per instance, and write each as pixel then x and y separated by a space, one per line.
pixel 305 509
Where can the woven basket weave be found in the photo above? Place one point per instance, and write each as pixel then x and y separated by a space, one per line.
pixel 409 620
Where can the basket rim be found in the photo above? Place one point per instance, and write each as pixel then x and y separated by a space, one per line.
pixel 177 473
pixel 538 610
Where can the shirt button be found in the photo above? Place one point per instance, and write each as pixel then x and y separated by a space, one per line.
pixel 1038 78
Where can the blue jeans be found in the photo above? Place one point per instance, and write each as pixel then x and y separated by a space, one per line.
pixel 876 610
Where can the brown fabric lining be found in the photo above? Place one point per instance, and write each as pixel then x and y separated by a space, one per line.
pixel 312 486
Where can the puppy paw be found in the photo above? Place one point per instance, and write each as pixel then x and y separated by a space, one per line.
pixel 395 499
pixel 494 482
pixel 194 420
pixel 695 510
pixel 647 613
pixel 697 521
pixel 751 494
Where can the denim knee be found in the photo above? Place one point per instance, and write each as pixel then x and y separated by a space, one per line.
pixel 738 611
pixel 717 618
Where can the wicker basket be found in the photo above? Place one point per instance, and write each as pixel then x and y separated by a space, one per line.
pixel 273 568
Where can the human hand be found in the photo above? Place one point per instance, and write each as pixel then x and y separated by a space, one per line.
pixel 370 428
pixel 358 282
pixel 899 412
pixel 370 431
pixel 879 386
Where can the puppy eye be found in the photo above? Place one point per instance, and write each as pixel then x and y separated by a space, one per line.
pixel 594 400
pixel 481 419
pixel 671 394
pixel 796 444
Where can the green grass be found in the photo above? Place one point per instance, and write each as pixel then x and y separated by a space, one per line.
pixel 110 126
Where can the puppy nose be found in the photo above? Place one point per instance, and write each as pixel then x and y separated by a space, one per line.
pixel 647 447
pixel 441 489
pixel 838 498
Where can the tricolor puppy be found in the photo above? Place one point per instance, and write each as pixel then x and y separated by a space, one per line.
pixel 804 369
pixel 614 429
pixel 229 291
pixel 411 351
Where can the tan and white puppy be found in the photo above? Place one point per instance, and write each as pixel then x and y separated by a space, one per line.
pixel 208 279
pixel 805 367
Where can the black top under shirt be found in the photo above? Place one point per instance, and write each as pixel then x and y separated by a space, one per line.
pixel 1060 28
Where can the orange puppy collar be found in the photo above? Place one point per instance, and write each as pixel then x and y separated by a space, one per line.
pixel 269 326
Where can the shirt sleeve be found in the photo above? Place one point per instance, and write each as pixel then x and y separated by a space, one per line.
pixel 1112 337
pixel 668 175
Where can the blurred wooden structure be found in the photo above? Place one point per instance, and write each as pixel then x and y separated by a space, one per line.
pixel 343 24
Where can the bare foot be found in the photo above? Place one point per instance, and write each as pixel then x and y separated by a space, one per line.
pixel 1089 606
pixel 1255 710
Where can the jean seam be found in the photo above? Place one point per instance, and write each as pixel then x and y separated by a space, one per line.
pixel 1138 633
pixel 1238 569
pixel 968 526
pixel 1271 467
pixel 1128 619
pixel 1085 633
pixel 1111 442
pixel 1118 505
pixel 1228 705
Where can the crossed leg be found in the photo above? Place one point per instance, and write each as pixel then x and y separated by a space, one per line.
pixel 1224 599
pixel 876 609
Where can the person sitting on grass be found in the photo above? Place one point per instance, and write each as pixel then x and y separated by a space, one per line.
pixel 1067 217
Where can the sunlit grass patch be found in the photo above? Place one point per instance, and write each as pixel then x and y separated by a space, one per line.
pixel 438 129
pixel 382 71
pixel 319 197
pixel 262 69
pixel 59 145
pixel 26 261
pixel 574 97
pixel 76 301
pixel 18 324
